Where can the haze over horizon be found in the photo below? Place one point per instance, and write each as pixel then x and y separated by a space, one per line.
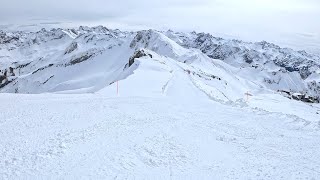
pixel 291 23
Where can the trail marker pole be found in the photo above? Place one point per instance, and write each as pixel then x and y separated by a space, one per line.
pixel 248 94
pixel 118 88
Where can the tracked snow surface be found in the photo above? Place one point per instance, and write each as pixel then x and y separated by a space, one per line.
pixel 96 103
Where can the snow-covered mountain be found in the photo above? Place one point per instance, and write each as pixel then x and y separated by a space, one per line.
pixel 87 60
pixel 277 68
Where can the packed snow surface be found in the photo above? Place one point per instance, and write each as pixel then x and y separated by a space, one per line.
pixel 93 136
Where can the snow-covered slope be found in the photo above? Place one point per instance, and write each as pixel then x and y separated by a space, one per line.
pixel 89 59
pixel 93 136
pixel 46 65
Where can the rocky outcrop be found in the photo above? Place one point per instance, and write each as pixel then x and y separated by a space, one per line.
pixel 305 98
pixel 3 79
pixel 73 46
pixel 300 97
pixel 6 76
pixel 80 59
pixel 42 68
pixel 137 54
pixel 141 37
pixel 251 56
pixel 76 59
pixel 8 38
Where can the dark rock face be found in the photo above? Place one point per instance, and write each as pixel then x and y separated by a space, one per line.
pixel 251 56
pixel 142 37
pixel 7 76
pixel 73 46
pixel 11 71
pixel 40 69
pixel 5 38
pixel 203 75
pixel 223 52
pixel 5 83
pixel 293 63
pixel 270 81
pixel 80 59
pixel 314 86
pixel 2 78
pixel 305 98
pixel 266 45
pixel 23 65
pixel 137 54
pixel 84 56
pixel 300 97
pixel 48 79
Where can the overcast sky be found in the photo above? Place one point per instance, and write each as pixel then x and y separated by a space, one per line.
pixel 285 21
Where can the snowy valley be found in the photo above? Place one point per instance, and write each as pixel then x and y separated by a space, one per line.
pixel 99 103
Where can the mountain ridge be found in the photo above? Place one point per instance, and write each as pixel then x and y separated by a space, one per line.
pixel 48 60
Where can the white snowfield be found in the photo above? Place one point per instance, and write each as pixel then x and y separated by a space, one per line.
pixel 178 114
pixel 92 136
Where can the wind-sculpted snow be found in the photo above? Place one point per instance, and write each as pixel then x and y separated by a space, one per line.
pixel 90 58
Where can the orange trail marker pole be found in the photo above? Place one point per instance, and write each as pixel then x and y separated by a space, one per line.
pixel 118 88
pixel 248 94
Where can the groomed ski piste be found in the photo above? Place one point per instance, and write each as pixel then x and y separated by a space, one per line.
pixel 169 113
